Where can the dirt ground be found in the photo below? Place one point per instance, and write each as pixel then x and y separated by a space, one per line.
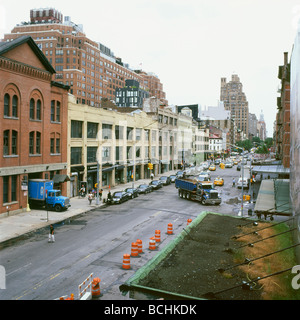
pixel 192 267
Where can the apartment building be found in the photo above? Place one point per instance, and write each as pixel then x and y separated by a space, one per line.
pixel 131 95
pixel 33 122
pixel 236 102
pixel 88 67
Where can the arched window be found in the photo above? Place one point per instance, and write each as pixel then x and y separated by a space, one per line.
pixel 38 109
pixel 31 109
pixel 6 104
pixel 15 106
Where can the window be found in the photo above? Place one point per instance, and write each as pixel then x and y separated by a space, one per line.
pixel 129 153
pixel 14 142
pixel 92 154
pixel 76 155
pixel 38 109
pixel 6 143
pixel 6 104
pixel 35 109
pixel 54 143
pixel 15 106
pixel 5 189
pixel 13 195
pixel 106 154
pixel 31 142
pixel 76 129
pixel 106 131
pixel 129 133
pixel 119 153
pixel 55 111
pixel 92 129
pixel 31 109
pixel 138 133
pixel 34 142
pixel 119 132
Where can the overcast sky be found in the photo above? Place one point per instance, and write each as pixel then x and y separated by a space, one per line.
pixel 189 44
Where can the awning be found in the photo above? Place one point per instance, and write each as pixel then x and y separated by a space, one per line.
pixel 60 178
pixel 273 197
pixel 279 169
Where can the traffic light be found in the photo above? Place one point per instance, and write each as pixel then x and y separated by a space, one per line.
pixel 150 166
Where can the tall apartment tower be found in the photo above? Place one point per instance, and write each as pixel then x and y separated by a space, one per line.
pixel 88 67
pixel 236 102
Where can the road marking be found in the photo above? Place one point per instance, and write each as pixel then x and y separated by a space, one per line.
pixel 156 213
pixel 19 269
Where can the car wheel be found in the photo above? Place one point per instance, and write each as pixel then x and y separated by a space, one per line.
pixel 57 207
pixel 203 201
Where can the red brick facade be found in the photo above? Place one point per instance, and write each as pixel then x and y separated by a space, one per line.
pixel 33 117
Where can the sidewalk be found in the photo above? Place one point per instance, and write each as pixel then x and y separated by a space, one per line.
pixel 14 226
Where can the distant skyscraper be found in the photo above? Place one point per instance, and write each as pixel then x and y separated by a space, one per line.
pixel 235 100
pixel 261 127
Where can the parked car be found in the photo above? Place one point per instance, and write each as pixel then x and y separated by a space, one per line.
pixel 156 184
pixel 144 188
pixel 165 180
pixel 133 191
pixel 172 178
pixel 120 196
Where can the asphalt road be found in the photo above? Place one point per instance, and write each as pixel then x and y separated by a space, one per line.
pixel 96 242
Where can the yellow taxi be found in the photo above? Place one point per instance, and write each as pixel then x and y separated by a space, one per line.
pixel 219 181
pixel 212 167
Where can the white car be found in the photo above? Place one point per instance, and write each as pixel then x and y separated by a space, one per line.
pixel 228 164
pixel 204 176
pixel 243 183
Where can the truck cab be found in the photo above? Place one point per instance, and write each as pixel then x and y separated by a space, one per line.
pixel 55 200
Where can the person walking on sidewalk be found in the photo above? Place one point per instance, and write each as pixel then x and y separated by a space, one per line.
pixel 90 197
pixel 51 234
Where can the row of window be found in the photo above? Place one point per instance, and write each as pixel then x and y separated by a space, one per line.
pixel 10 143
pixel 12 108
pixel 107 132
pixel 106 154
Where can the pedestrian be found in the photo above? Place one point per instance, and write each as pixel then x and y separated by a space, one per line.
pixel 100 194
pixel 152 176
pixel 90 197
pixel 51 234
pixel 109 197
pixel 233 182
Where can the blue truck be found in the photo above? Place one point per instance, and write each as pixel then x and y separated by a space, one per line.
pixel 202 191
pixel 42 194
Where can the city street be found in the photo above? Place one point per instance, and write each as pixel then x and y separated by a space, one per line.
pixel 96 241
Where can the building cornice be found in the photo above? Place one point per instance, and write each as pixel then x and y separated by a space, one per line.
pixel 22 68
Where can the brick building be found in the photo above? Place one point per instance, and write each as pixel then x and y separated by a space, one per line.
pixel 33 122
pixel 282 132
pixel 88 67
